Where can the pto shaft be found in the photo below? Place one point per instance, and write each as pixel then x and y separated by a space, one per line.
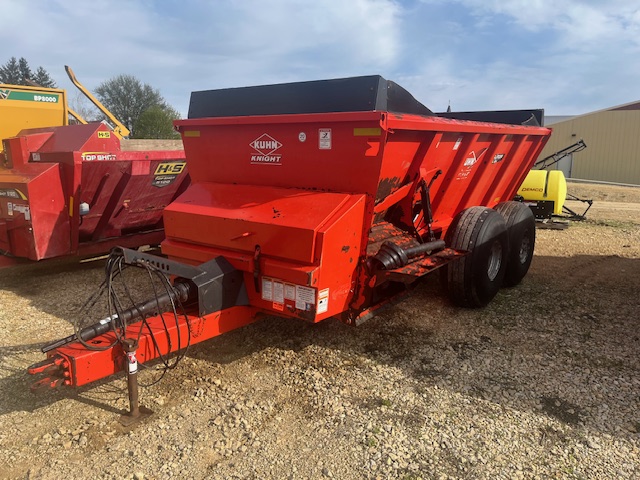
pixel 180 291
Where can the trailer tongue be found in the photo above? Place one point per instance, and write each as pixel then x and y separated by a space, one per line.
pixel 316 200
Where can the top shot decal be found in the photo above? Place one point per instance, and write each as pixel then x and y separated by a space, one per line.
pixel 99 156
pixel 265 147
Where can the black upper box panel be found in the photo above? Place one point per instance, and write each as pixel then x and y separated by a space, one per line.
pixel 355 94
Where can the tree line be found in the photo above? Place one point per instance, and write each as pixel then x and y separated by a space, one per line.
pixel 139 106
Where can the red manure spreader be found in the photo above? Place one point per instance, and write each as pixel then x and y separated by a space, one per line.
pixel 69 191
pixel 314 200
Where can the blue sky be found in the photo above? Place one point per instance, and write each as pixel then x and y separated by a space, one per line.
pixel 566 56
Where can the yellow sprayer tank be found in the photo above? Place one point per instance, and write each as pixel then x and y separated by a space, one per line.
pixel 545 186
pixel 30 107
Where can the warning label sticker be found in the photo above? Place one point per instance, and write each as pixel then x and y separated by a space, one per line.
pixel 323 301
pixel 282 294
pixel 324 139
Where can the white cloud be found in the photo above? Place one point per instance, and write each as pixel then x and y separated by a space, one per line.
pixel 578 22
pixel 181 46
pixel 568 56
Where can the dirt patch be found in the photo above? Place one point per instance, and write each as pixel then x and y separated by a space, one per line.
pixel 604 192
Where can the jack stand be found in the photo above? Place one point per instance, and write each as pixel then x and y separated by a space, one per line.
pixel 136 413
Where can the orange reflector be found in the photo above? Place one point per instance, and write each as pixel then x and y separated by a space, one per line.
pixel 366 132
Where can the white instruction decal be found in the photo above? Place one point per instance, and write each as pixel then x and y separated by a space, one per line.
pixel 267 289
pixel 278 292
pixel 16 208
pixel 289 291
pixel 305 296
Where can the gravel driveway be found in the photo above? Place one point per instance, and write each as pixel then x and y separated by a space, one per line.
pixel 542 383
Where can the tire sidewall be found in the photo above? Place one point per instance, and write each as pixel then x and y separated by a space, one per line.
pixel 521 227
pixel 476 230
pixel 491 232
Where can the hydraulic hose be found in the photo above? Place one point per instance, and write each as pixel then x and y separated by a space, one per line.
pixel 181 291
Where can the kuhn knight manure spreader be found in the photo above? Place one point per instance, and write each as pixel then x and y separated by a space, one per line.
pixel 309 201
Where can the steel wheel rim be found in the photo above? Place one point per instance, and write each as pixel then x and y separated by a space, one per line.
pixel 525 249
pixel 495 260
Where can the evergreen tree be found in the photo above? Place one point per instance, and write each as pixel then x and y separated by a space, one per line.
pixel 25 71
pixel 10 72
pixel 18 72
pixel 42 78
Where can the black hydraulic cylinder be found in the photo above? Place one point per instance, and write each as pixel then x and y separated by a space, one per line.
pixel 180 291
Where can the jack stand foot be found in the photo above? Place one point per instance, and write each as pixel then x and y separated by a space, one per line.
pixel 136 412
pixel 127 420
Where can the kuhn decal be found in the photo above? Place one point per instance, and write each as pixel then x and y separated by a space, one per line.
pixel 469 162
pixel 472 158
pixel 265 148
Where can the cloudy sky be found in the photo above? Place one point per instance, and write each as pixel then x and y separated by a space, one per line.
pixel 566 56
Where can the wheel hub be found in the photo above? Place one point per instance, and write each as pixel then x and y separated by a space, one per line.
pixel 495 260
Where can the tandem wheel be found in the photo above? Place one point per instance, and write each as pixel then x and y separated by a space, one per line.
pixel 521 226
pixel 473 280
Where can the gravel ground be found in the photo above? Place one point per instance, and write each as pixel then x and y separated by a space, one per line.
pixel 542 383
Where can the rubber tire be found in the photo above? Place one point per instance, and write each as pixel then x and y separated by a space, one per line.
pixel 521 226
pixel 483 232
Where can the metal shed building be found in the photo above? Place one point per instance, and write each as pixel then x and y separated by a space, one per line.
pixel 613 144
